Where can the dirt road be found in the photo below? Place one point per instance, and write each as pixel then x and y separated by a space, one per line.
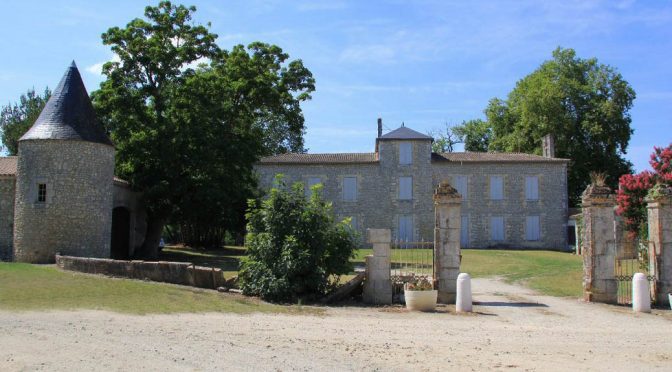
pixel 512 329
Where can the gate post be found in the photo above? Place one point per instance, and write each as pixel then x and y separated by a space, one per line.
pixel 378 287
pixel 447 256
pixel 659 210
pixel 599 245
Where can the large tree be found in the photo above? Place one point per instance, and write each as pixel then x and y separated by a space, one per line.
pixel 475 134
pixel 187 136
pixel 584 104
pixel 17 118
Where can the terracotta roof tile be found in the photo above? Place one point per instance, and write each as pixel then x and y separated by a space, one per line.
pixel 515 157
pixel 338 158
pixel 8 165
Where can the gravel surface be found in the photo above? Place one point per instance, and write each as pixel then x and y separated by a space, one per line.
pixel 512 329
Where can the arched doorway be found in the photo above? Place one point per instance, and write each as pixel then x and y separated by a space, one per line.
pixel 121 233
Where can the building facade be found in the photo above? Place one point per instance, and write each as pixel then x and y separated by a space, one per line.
pixel 510 200
pixel 59 195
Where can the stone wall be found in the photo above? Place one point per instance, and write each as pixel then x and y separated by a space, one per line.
pixel 183 273
pixel 7 186
pixel 124 197
pixel 378 205
pixel 76 217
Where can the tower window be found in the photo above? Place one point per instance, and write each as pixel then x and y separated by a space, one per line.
pixel 41 192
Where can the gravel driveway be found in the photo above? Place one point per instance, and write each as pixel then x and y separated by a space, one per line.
pixel 512 328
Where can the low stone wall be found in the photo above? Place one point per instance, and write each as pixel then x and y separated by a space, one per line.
pixel 183 273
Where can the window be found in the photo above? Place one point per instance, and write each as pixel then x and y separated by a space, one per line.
pixel 405 153
pixel 312 181
pixel 405 188
pixel 496 188
pixel 464 231
pixel 353 222
pixel 41 192
pixel 405 232
pixel 497 228
pixel 532 228
pixel 461 186
pixel 350 188
pixel 532 188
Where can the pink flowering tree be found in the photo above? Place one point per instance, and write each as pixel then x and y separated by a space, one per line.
pixel 633 189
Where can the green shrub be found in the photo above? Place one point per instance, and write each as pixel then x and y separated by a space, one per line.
pixel 296 250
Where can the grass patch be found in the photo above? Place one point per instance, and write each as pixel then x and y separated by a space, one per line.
pixel 36 287
pixel 551 273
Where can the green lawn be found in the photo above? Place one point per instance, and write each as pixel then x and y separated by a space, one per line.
pixel 551 273
pixel 39 287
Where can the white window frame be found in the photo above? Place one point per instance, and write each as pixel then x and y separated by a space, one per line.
pixel 498 180
pixel 533 228
pixel 346 195
pixel 406 188
pixel 405 153
pixel 532 188
pixel 497 224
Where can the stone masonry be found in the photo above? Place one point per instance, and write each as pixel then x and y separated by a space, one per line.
pixel 447 255
pixel 7 186
pixel 660 236
pixel 378 204
pixel 599 245
pixel 378 287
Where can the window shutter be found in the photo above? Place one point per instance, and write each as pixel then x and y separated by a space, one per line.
pixel 312 181
pixel 496 188
pixel 532 228
pixel 464 231
pixel 350 188
pixel 461 186
pixel 497 228
pixel 532 188
pixel 405 153
pixel 405 228
pixel 405 188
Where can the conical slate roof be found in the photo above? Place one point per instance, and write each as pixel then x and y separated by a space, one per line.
pixel 404 133
pixel 68 115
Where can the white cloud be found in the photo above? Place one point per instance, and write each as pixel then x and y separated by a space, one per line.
pixel 97 68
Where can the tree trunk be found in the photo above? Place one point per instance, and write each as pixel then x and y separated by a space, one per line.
pixel 150 247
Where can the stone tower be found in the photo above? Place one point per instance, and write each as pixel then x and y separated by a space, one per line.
pixel 64 179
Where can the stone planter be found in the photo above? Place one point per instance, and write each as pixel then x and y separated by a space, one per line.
pixel 420 300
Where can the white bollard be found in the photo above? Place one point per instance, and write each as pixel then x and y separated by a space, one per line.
pixel 463 298
pixel 641 297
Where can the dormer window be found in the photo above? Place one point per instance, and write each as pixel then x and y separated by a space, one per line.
pixel 41 192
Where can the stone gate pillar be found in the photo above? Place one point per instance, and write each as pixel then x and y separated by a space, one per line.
pixel 659 216
pixel 447 257
pixel 599 245
pixel 378 287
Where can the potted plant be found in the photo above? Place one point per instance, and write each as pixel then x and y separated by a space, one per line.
pixel 419 294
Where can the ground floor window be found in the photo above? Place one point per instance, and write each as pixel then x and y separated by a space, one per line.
pixel 405 232
pixel 532 228
pixel 497 228
pixel 464 231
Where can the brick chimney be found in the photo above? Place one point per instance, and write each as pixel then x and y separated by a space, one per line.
pixel 380 127
pixel 548 146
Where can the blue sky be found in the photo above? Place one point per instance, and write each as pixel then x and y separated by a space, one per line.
pixel 424 63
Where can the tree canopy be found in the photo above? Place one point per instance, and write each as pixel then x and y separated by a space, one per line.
pixel 585 105
pixel 189 119
pixel 475 134
pixel 17 118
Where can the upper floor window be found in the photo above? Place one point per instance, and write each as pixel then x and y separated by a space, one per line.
pixel 532 228
pixel 461 186
pixel 41 192
pixel 405 153
pixel 405 188
pixel 312 181
pixel 350 188
pixel 496 188
pixel 532 188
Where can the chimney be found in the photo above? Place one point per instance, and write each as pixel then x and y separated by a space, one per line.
pixel 380 127
pixel 548 146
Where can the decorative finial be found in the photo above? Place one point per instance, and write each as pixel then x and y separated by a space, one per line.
pixel 402 124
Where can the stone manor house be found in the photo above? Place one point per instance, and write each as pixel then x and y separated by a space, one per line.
pixel 60 194
pixel 509 200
